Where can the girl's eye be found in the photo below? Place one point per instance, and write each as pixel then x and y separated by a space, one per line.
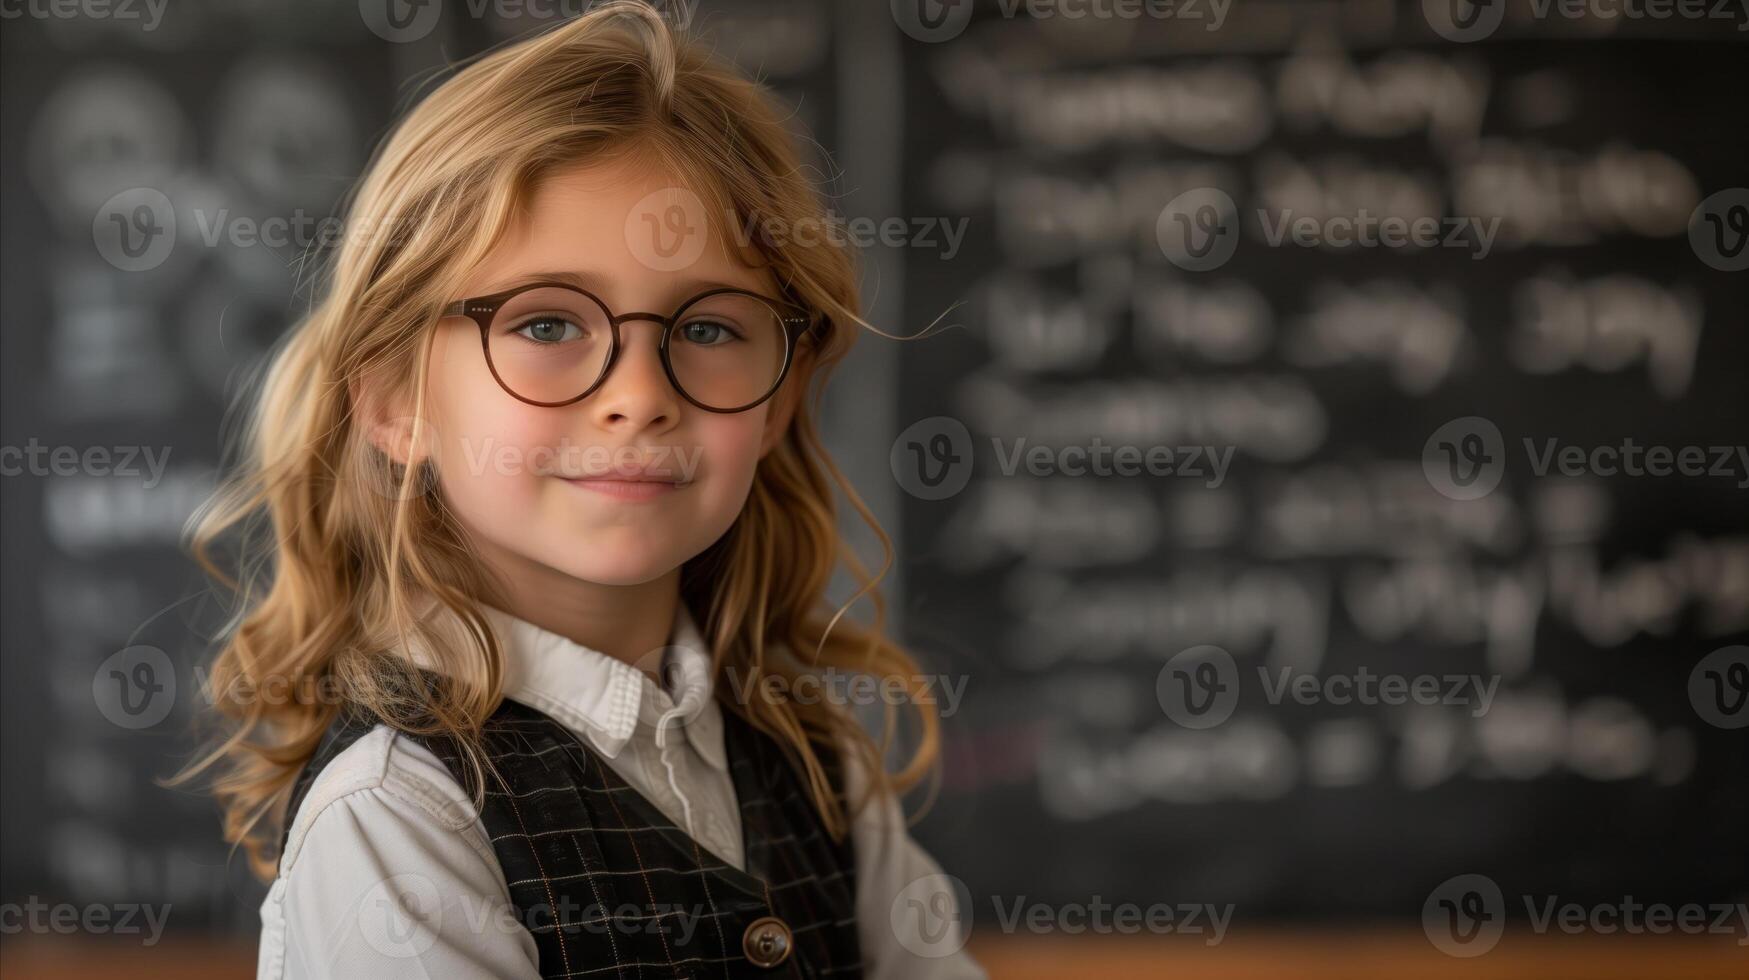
pixel 549 330
pixel 708 333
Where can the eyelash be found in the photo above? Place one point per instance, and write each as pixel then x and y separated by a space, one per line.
pixel 537 318
pixel 543 318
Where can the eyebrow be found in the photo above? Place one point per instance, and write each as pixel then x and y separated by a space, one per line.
pixel 594 283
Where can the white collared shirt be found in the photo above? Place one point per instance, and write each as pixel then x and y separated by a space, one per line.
pixel 388 872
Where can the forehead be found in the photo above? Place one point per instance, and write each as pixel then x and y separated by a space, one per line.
pixel 637 230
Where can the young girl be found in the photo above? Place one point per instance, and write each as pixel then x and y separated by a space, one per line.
pixel 550 533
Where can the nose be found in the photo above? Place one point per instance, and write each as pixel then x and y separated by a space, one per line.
pixel 637 393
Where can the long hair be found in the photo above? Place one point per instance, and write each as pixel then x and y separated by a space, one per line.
pixel 338 545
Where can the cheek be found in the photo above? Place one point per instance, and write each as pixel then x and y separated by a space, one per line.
pixel 731 448
pixel 486 441
pixel 726 450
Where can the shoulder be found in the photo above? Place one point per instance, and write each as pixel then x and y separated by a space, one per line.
pixel 387 860
pixel 892 871
pixel 384 782
pixel 882 809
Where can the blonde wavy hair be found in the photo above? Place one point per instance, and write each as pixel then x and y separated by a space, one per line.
pixel 336 543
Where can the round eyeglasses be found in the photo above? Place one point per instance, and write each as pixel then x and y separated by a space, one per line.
pixel 552 344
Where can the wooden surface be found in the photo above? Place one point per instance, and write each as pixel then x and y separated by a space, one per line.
pixel 1381 955
pixel 1330 955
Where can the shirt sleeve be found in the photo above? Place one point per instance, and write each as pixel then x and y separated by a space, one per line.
pixel 392 881
pixel 911 922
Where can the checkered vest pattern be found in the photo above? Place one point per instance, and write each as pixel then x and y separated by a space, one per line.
pixel 611 888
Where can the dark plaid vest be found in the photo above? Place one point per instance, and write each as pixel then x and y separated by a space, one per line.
pixel 610 888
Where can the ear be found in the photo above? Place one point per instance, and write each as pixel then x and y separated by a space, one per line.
pixel 388 423
pixel 787 400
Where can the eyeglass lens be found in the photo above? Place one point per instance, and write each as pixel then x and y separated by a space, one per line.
pixel 551 344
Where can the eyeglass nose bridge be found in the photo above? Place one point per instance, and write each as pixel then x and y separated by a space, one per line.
pixel 666 321
pixel 607 368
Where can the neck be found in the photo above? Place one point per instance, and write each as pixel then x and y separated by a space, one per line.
pixel 626 622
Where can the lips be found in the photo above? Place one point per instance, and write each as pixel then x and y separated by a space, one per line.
pixel 633 487
pixel 617 477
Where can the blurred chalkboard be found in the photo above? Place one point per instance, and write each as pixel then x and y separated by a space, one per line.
pixel 1364 396
pixel 1034 169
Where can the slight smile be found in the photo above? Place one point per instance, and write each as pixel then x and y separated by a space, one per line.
pixel 623 489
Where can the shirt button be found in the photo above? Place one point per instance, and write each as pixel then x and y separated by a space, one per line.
pixel 766 942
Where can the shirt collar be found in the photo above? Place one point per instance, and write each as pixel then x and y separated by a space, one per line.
pixel 607 699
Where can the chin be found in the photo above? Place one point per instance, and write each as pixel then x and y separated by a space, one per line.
pixel 606 565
